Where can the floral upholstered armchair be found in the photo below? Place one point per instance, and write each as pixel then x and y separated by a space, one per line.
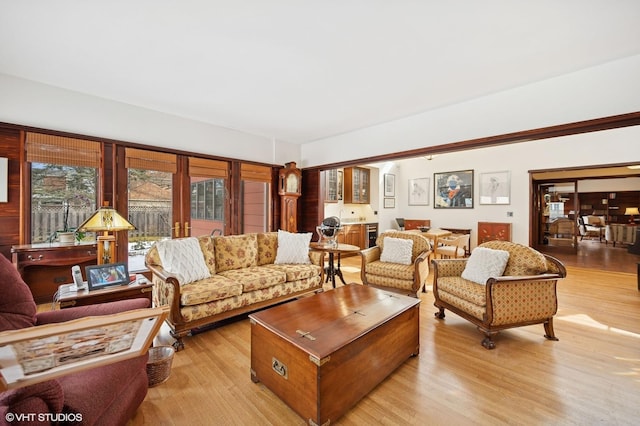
pixel 502 285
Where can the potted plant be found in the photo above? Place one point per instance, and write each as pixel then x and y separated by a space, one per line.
pixel 69 235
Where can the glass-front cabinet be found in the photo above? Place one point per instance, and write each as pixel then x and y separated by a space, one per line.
pixel 332 185
pixel 357 185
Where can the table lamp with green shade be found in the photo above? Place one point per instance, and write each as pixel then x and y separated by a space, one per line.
pixel 106 219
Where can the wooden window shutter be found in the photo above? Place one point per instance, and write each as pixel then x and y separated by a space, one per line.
pixel 208 168
pixel 150 160
pixel 43 148
pixel 255 173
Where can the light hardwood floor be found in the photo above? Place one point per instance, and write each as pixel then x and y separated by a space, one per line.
pixel 590 376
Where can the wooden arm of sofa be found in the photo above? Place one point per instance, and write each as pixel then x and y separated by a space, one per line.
pixel 166 291
pixel 421 265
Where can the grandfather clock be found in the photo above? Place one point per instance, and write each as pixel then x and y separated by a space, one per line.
pixel 289 188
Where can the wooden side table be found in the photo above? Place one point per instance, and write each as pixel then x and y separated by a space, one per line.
pixel 332 270
pixel 44 267
pixel 68 298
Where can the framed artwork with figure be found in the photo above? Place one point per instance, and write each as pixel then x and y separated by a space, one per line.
pixel 453 190
pixel 419 192
pixel 495 188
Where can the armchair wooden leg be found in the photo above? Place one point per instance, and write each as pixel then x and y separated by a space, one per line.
pixel 178 345
pixel 488 343
pixel 440 313
pixel 548 328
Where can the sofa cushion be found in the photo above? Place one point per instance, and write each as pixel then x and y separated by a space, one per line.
pixel 485 263
pixel 464 289
pixel 390 271
pixel 18 310
pixel 396 250
pixel 267 247
pixel 262 296
pixel 293 248
pixel 183 258
pixel 108 394
pixel 235 251
pixel 296 272
pixel 523 260
pixel 256 277
pixel 209 289
pixel 208 252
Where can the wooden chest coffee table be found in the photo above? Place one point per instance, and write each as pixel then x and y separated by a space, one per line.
pixel 322 354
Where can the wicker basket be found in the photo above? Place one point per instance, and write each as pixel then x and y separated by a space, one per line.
pixel 159 364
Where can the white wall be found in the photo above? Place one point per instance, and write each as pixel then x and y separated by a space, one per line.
pixel 609 185
pixel 606 147
pixel 38 105
pixel 606 90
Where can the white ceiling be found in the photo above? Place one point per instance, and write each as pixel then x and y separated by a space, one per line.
pixel 299 70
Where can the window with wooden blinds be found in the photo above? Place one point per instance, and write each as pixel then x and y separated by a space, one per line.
pixel 150 160
pixel 255 173
pixel 51 149
pixel 208 168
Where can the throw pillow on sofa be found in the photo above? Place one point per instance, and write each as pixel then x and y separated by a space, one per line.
pixel 293 248
pixel 485 263
pixel 183 257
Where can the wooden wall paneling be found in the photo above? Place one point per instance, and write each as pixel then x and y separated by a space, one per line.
pixel 10 223
pixel 275 200
pixel 310 203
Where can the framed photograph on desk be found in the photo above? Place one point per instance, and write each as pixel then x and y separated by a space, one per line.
pixel 106 275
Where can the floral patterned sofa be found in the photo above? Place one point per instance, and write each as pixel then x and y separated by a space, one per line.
pixel 513 285
pixel 207 279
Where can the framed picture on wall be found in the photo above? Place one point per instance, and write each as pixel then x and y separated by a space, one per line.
pixel 453 190
pixel 419 192
pixel 389 185
pixel 389 203
pixel 495 188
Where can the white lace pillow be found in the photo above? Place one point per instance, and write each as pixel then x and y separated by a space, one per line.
pixel 293 248
pixel 183 258
pixel 396 250
pixel 485 263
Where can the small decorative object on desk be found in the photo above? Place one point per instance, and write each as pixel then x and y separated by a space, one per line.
pixel 159 364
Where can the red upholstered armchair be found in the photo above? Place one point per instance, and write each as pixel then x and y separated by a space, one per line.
pixel 108 395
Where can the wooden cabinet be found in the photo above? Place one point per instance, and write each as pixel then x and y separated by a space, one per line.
pixel 44 267
pixel 493 231
pixel 356 185
pixel 352 234
pixel 332 185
